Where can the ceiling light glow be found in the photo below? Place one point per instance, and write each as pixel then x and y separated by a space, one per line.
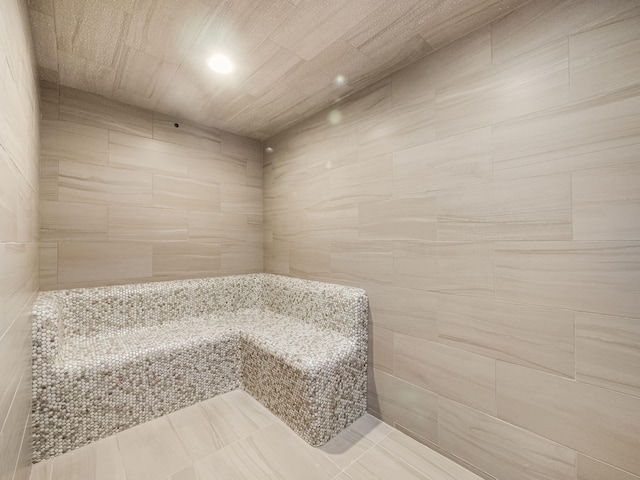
pixel 220 63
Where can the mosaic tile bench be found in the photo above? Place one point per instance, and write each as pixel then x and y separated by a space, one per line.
pixel 108 358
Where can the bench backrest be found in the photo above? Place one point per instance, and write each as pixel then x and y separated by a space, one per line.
pixel 87 312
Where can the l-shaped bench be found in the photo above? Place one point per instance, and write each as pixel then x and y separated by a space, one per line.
pixel 108 358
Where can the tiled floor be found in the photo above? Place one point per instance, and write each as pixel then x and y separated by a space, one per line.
pixel 232 436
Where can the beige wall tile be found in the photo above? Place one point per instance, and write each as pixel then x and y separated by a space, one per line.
pixel 600 132
pixel 240 198
pixel 19 151
pixel 525 209
pixel 239 258
pixel 73 142
pixel 49 99
pixel 499 448
pixel 606 203
pixel 188 133
pixel 462 268
pixel 105 185
pixel 381 343
pixel 363 262
pixel 309 259
pixel 108 262
pixel 404 310
pixel 217 227
pixel 465 377
pixel 89 109
pixel 591 420
pixel 184 260
pixel 608 352
pixel 185 194
pixel 520 86
pixel 605 59
pixel 398 218
pixel 591 469
pixel 368 179
pixel 410 406
pixel 147 224
pixel 240 147
pixel 147 155
pixel 48 185
pixel 459 160
pixel 48 264
pixel 536 337
pixel 216 168
pixel 67 221
pixel 543 21
pixel 583 276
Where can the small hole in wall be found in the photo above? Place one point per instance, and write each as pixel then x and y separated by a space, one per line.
pixel 176 125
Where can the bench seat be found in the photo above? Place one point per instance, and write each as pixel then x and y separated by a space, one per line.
pixel 91 381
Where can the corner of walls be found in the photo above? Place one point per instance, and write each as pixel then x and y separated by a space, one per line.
pixel 126 196
pixel 19 151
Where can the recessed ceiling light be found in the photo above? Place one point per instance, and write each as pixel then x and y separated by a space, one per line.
pixel 220 63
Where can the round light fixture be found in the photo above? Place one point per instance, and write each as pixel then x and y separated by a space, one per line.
pixel 220 63
pixel 269 150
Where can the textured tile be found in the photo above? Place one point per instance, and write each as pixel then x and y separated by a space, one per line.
pixel 266 454
pixel 97 461
pixel 605 59
pixel 89 109
pixel 404 310
pixel 96 184
pixel 526 209
pixel 364 262
pixel 90 262
pixel 520 86
pixel 583 276
pixel 184 260
pixel 215 227
pixel 346 447
pixel 462 376
pixel 591 469
pixel 187 133
pixel 536 337
pixel 137 224
pixel 408 405
pixel 381 348
pixel 459 160
pixel 379 463
pixel 398 219
pixel 556 408
pixel 147 155
pixel 608 352
pixel 48 264
pixel 606 203
pixel 600 132
pixel 371 428
pixel 499 448
pixel 152 451
pixel 73 142
pixel 461 268
pixel 424 459
pixel 544 21
pixel 67 221
pixel 185 194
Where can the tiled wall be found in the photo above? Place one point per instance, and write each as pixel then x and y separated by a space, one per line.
pixel 488 199
pixel 19 120
pixel 127 197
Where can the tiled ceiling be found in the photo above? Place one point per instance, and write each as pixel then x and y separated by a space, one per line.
pixel 288 53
